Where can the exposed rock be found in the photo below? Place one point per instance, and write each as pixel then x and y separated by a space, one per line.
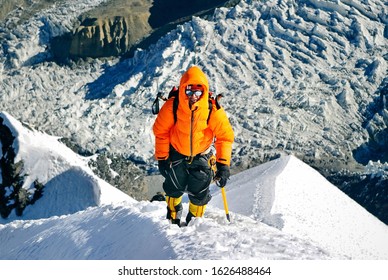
pixel 12 194
pixel 111 29
pixel 118 26
pixel 108 37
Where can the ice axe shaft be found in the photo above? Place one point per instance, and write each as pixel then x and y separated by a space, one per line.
pixel 225 203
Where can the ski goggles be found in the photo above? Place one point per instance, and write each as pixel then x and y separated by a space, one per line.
pixel 197 93
pixel 196 90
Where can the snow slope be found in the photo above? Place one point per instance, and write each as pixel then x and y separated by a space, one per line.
pixel 70 184
pixel 273 217
pixel 293 197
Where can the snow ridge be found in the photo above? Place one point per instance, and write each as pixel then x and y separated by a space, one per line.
pixel 296 199
pixel 64 174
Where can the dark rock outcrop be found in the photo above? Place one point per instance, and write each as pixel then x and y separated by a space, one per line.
pixel 111 29
pixel 12 194
pixel 108 37
pixel 119 26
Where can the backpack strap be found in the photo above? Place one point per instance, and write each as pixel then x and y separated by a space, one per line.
pixel 213 101
pixel 174 93
pixel 175 108
pixel 155 105
pixel 210 109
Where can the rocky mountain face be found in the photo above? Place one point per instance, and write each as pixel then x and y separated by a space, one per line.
pixel 109 30
pixel 116 27
pixel 97 37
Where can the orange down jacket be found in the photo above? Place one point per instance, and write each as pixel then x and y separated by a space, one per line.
pixel 193 134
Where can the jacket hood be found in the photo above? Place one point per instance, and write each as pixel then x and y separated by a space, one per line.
pixel 194 76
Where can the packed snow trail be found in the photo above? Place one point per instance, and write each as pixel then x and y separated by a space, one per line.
pixel 140 232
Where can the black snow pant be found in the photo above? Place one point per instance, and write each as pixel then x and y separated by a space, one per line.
pixel 189 175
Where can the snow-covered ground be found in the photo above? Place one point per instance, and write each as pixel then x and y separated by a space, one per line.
pixel 282 210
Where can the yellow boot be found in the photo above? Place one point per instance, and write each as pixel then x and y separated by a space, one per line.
pixel 195 211
pixel 174 209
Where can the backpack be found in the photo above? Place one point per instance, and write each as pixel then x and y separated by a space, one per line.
pixel 174 93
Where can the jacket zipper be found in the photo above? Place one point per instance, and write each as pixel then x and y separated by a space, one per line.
pixel 191 133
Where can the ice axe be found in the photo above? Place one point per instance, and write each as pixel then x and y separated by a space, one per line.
pixel 212 163
pixel 225 203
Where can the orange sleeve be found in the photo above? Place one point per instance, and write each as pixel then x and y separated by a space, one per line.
pixel 161 128
pixel 224 135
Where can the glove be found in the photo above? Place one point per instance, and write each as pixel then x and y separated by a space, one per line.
pixel 164 167
pixel 222 174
